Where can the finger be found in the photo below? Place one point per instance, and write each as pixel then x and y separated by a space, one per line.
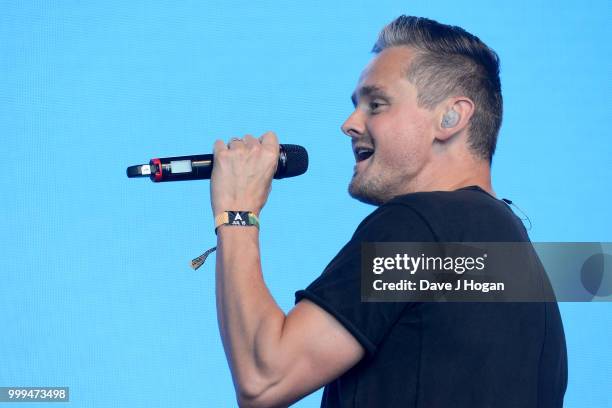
pixel 269 139
pixel 235 143
pixel 219 146
pixel 250 141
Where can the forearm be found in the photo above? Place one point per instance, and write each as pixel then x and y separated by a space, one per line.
pixel 250 321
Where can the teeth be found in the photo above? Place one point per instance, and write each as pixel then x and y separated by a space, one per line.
pixel 363 153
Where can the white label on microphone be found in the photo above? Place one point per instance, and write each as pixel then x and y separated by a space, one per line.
pixel 180 166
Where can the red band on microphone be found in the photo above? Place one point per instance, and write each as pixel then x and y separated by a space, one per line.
pixel 157 176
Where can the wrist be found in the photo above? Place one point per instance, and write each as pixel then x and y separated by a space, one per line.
pixel 226 231
pixel 236 218
pixel 218 209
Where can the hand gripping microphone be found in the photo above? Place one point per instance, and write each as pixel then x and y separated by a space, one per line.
pixel 292 161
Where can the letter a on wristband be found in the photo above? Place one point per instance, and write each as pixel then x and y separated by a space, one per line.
pixel 237 218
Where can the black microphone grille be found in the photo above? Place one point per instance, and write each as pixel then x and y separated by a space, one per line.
pixel 295 163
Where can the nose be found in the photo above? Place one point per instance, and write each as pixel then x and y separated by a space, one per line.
pixel 354 125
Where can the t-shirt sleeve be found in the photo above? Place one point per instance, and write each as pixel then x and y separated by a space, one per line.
pixel 338 289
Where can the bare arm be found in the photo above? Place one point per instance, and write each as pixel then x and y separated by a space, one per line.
pixel 274 359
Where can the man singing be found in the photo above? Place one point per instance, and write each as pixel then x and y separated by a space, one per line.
pixel 428 109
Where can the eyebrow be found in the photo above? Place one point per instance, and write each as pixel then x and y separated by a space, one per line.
pixel 367 90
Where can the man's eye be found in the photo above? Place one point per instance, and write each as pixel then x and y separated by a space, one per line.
pixel 374 106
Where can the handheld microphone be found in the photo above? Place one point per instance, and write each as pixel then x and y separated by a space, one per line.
pixel 292 161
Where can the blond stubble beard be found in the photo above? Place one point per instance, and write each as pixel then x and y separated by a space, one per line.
pixel 372 191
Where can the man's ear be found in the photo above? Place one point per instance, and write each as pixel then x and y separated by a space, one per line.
pixel 454 116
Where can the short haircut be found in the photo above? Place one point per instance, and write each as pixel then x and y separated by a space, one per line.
pixel 449 61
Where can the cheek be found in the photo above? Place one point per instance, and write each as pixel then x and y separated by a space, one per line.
pixel 401 132
pixel 406 139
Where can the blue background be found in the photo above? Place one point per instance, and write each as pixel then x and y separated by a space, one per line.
pixel 95 288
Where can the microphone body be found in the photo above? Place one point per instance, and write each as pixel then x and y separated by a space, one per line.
pixel 292 161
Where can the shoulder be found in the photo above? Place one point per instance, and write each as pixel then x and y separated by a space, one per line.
pixel 461 215
pixel 395 221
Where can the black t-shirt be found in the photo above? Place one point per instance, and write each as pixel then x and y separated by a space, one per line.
pixel 430 355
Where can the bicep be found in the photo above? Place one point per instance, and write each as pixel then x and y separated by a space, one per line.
pixel 314 349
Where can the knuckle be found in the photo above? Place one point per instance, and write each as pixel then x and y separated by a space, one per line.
pixel 270 154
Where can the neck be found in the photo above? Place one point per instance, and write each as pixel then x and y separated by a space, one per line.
pixel 448 174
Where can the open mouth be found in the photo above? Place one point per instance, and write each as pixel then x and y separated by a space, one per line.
pixel 363 153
